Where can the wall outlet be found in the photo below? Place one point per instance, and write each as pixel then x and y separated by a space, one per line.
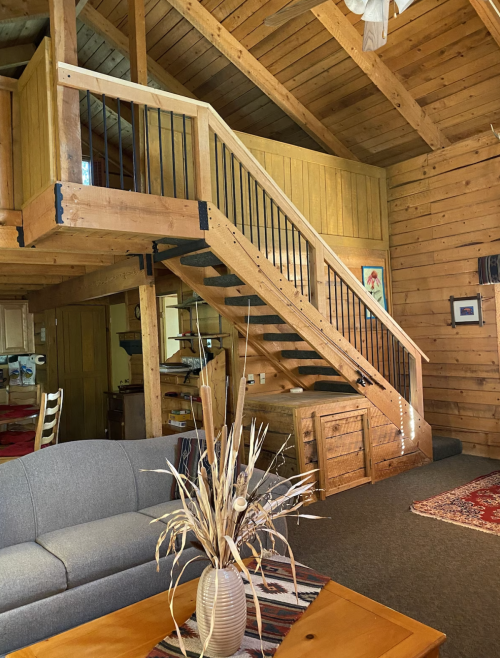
pixel 250 380
pixel 262 377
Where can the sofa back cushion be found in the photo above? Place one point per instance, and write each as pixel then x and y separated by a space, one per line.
pixel 78 482
pixel 153 488
pixel 17 520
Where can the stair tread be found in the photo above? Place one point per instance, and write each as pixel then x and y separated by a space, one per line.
pixel 254 300
pixel 336 387
pixel 318 370
pixel 223 281
pixel 300 354
pixel 445 446
pixel 203 259
pixel 282 337
pixel 264 319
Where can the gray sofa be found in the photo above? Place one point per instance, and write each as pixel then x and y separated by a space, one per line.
pixel 75 536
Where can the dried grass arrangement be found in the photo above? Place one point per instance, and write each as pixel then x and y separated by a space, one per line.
pixel 222 512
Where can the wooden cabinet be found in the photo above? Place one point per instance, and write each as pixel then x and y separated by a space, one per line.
pixel 16 328
pixel 125 416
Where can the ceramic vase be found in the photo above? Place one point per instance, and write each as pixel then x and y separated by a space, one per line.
pixel 230 616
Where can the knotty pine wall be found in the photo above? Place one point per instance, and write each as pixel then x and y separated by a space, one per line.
pixel 444 212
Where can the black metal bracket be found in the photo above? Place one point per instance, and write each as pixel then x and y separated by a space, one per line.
pixel 362 380
pixel 181 250
pixel 203 214
pixel 20 236
pixel 59 198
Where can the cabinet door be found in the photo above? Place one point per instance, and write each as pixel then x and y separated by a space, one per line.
pixel 17 333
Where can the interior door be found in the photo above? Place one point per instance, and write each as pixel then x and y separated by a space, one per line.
pixel 82 365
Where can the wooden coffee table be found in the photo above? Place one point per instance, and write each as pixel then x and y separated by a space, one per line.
pixel 339 624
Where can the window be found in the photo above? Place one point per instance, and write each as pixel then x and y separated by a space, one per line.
pixel 86 172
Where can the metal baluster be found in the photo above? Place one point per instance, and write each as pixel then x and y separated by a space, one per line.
pixel 120 150
pixel 342 305
pixel 404 371
pixel 354 318
pixel 265 221
pixel 186 174
pixel 279 239
pixel 106 161
pixel 146 122
pixel 160 146
pixel 382 341
pixel 366 332
pixel 393 362
pixel 301 270
pixel 287 249
pixel 308 268
pixel 91 150
pixel 378 347
pixel 224 168
pixel 217 172
pixel 272 231
pixel 134 149
pixel 250 207
pixel 371 334
pixel 234 190
pixel 242 200
pixel 336 308
pixel 360 327
pixel 173 153
pixel 330 295
pixel 257 213
pixel 398 344
pixel 348 315
pixel 294 257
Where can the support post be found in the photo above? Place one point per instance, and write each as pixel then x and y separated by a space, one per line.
pixel 138 74
pixel 416 386
pixel 150 360
pixel 317 277
pixel 64 49
pixel 202 161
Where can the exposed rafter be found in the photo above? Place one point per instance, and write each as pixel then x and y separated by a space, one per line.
pixel 382 77
pixel 489 13
pixel 16 55
pixel 12 11
pixel 119 41
pixel 223 40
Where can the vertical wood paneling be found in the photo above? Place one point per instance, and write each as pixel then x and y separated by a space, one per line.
pixel 37 123
pixel 443 213
pixel 341 199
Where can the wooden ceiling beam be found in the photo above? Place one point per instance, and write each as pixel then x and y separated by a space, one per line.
pixel 16 55
pixel 124 275
pixel 115 38
pixel 12 11
pixel 207 25
pixel 382 77
pixel 489 13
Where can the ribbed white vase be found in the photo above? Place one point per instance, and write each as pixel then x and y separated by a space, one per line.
pixel 230 616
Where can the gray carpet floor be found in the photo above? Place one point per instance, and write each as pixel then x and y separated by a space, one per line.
pixel 441 574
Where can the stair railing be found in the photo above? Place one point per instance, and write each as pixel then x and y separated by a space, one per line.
pixel 182 147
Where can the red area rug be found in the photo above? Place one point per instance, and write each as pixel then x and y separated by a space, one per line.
pixel 473 505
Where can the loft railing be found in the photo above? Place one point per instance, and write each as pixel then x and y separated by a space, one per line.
pixel 181 147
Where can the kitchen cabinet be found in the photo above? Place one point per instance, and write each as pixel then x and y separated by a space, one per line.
pixel 17 334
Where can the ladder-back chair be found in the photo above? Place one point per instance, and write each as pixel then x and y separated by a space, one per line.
pixel 49 420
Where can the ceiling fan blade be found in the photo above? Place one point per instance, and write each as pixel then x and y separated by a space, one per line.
pixel 292 11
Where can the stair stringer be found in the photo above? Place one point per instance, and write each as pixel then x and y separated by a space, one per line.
pixel 244 259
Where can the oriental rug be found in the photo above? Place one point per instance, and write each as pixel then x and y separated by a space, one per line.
pixel 279 607
pixel 473 505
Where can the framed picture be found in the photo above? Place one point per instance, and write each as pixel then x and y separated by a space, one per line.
pixel 373 281
pixel 466 310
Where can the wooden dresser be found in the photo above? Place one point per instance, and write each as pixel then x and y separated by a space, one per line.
pixel 125 416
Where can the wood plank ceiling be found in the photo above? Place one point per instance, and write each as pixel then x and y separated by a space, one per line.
pixel 440 50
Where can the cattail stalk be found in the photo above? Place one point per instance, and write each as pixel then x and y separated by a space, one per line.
pixel 238 419
pixel 208 421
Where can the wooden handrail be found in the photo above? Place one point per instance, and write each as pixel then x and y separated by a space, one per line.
pixel 98 83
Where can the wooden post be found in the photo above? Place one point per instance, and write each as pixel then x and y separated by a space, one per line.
pixel 202 162
pixel 64 49
pixel 416 386
pixel 150 360
pixel 317 277
pixel 7 177
pixel 138 74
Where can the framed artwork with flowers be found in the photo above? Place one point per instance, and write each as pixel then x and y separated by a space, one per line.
pixel 373 281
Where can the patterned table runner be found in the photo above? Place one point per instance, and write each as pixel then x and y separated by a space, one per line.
pixel 279 610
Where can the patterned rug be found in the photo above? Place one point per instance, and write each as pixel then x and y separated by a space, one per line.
pixel 278 605
pixel 473 505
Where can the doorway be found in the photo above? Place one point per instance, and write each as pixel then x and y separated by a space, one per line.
pixel 82 369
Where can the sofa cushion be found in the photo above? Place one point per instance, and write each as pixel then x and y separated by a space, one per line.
pixel 101 548
pixel 17 520
pixel 156 511
pixel 80 481
pixel 28 573
pixel 153 488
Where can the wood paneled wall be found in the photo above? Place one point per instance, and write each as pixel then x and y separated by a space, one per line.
pixel 345 201
pixel 444 212
pixel 38 128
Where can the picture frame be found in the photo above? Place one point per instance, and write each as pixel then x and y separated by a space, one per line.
pixel 466 310
pixel 372 278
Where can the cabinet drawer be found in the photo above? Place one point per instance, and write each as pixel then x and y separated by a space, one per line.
pixel 116 416
pixel 115 403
